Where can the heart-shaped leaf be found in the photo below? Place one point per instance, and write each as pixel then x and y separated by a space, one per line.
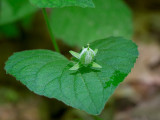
pixel 12 10
pixel 62 3
pixel 79 26
pixel 47 73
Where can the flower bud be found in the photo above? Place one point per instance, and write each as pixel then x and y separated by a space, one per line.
pixel 87 56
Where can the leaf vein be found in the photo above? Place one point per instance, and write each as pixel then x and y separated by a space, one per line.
pixel 88 91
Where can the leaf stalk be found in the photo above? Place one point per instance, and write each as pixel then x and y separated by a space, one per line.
pixel 50 30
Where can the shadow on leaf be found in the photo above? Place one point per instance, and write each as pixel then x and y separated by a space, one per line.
pixel 84 69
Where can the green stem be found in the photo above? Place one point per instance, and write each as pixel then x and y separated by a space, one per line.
pixel 50 30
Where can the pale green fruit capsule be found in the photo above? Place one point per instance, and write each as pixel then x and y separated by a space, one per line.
pixel 87 56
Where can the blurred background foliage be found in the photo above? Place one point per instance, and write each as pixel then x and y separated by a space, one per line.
pixel 79 26
pixel 15 10
pixel 22 27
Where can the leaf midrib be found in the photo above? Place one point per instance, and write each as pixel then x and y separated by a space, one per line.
pixel 88 91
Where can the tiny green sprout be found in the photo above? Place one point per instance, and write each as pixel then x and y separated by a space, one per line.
pixel 86 57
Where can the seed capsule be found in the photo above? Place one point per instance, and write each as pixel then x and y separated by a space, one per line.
pixel 87 56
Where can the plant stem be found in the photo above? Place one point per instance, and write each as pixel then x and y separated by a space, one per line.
pixel 50 30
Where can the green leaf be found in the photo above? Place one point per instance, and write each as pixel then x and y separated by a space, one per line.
pixel 62 3
pixel 47 73
pixel 78 26
pixel 12 10
pixel 77 55
pixel 95 65
pixel 75 67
